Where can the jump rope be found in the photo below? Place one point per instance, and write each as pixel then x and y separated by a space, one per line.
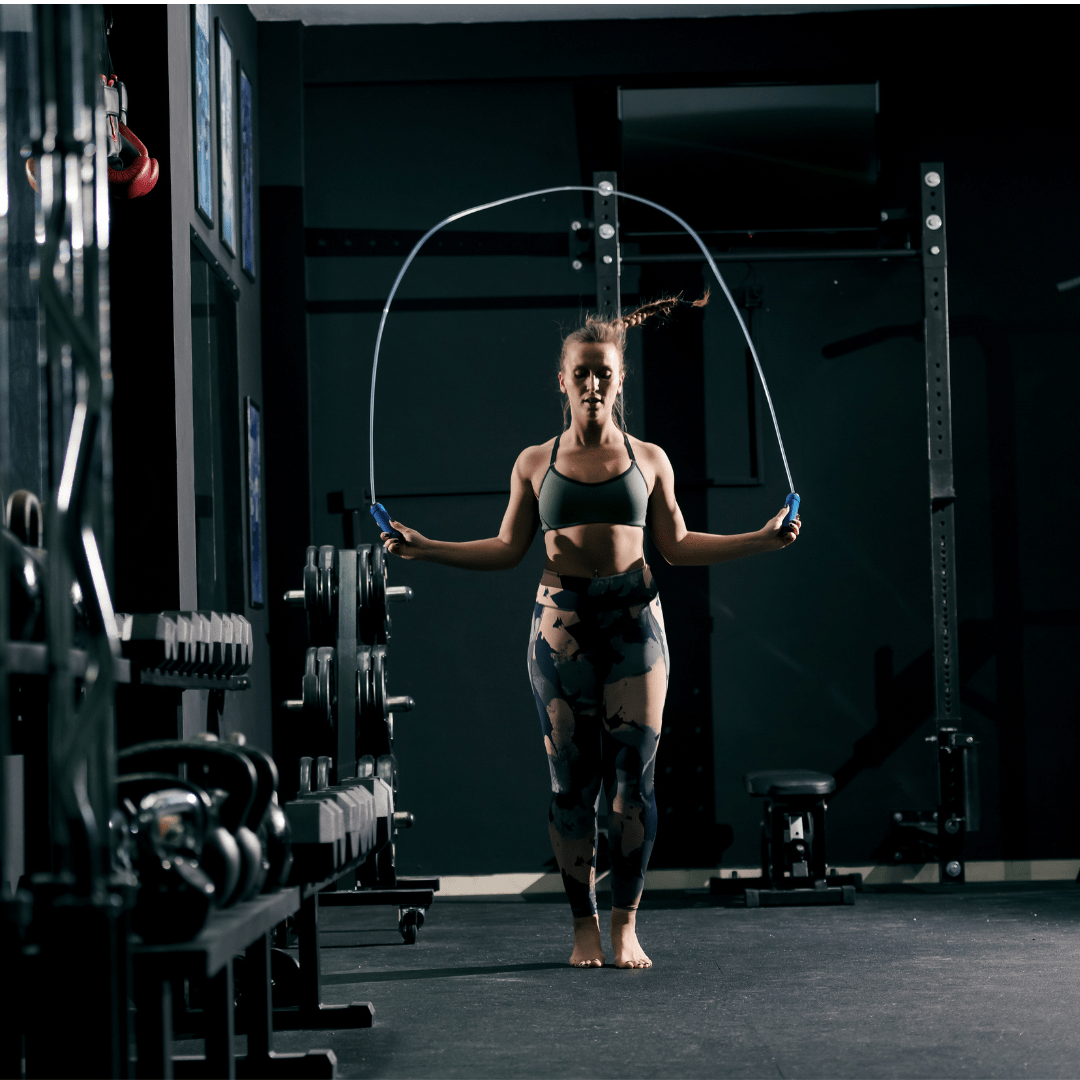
pixel 379 512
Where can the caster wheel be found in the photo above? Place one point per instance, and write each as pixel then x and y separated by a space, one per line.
pixel 409 922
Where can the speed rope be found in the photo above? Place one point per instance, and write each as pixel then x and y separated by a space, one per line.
pixel 605 189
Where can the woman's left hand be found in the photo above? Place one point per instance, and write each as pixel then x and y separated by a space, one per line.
pixel 781 537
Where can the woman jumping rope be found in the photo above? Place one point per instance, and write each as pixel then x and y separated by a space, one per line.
pixel 598 656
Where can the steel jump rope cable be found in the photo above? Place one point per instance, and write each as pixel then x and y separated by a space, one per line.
pixel 378 511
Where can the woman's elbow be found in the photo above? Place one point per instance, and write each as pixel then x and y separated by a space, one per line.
pixel 669 552
pixel 513 555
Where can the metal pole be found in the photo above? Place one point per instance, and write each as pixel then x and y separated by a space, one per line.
pixel 953 745
pixel 608 270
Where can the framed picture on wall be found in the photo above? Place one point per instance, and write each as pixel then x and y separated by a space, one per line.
pixel 226 141
pixel 204 183
pixel 247 178
pixel 252 423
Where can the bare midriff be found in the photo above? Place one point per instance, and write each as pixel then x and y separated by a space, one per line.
pixel 594 550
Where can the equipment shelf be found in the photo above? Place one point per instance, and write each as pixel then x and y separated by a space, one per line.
pixel 244 928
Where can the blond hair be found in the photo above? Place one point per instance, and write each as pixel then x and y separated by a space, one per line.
pixel 598 331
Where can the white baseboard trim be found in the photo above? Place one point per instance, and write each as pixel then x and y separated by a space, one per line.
pixel 533 883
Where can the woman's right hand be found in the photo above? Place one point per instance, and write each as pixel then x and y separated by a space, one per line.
pixel 409 548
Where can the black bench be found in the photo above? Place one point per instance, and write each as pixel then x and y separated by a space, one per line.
pixel 793 868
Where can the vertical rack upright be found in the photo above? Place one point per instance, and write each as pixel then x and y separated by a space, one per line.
pixel 958 804
pixel 78 909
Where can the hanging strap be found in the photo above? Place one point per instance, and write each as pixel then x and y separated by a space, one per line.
pixel 626 439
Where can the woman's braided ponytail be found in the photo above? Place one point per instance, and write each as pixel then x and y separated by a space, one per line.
pixel 662 307
pixel 597 331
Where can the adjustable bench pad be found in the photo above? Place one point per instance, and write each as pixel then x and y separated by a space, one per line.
pixel 776 783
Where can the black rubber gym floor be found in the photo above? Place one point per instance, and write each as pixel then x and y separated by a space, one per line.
pixel 928 982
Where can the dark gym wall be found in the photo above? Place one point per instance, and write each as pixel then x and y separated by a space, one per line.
pixel 460 393
pixel 247 712
pixel 284 335
pixel 819 656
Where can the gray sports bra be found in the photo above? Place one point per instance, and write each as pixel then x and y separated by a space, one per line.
pixel 622 500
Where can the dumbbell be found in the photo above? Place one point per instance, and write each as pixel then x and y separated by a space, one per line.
pixel 360 794
pixel 236 645
pixel 319 596
pixel 177 660
pixel 374 596
pixel 243 645
pixel 212 642
pixel 215 642
pixel 170 642
pixel 318 831
pixel 197 660
pixel 362 799
pixel 378 870
pixel 353 805
pixel 152 641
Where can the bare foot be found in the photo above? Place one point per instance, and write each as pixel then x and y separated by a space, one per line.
pixel 588 952
pixel 628 951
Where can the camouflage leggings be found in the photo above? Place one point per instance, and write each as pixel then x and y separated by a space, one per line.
pixel 598 662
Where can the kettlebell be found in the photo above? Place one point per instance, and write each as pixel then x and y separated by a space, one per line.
pixel 28 571
pixel 24 518
pixel 175 893
pixel 255 864
pixel 26 590
pixel 279 845
pixel 268 819
pixel 214 765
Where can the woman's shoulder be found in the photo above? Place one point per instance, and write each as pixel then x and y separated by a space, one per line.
pixel 533 457
pixel 648 452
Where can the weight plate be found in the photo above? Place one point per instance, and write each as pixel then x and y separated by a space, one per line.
pixel 380 709
pixel 378 579
pixel 363 575
pixel 311 591
pixel 363 685
pixel 327 591
pixel 327 686
pixel 310 684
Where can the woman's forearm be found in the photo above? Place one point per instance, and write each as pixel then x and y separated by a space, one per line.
pixel 491 554
pixel 703 549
